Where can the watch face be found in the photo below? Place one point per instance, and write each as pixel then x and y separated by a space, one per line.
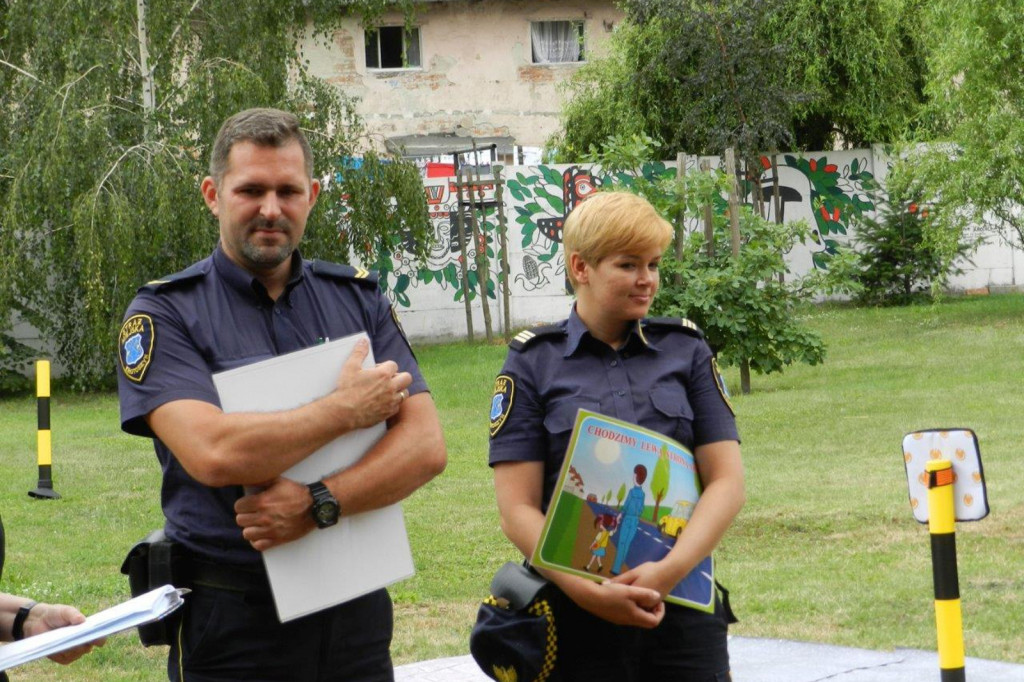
pixel 326 513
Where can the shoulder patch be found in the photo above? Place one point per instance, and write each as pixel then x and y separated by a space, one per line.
pixel 678 323
pixel 720 383
pixel 192 272
pixel 401 330
pixel 524 338
pixel 501 402
pixel 338 271
pixel 135 346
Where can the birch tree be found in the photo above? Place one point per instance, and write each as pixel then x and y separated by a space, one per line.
pixel 107 111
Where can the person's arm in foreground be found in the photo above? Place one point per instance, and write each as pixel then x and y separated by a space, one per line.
pixel 721 472
pixel 251 448
pixel 43 618
pixel 518 488
pixel 410 453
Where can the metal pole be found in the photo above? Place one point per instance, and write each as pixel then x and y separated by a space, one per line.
pixel 941 525
pixel 43 444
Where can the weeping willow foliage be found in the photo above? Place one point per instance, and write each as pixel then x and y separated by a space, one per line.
pixel 99 190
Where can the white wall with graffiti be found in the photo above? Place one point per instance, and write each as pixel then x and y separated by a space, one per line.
pixel 827 189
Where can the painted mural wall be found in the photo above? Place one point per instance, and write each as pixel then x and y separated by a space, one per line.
pixel 827 189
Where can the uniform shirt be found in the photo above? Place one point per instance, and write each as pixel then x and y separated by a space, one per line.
pixel 663 378
pixel 215 316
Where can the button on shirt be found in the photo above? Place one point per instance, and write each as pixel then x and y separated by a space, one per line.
pixel 216 316
pixel 662 379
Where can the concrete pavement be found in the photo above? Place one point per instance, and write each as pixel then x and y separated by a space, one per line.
pixel 775 660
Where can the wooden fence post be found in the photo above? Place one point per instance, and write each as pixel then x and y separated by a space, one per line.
pixel 462 247
pixel 480 240
pixel 503 245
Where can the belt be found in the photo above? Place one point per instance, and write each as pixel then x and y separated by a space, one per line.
pixel 252 582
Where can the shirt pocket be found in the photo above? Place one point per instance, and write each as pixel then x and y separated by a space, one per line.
pixel 561 416
pixel 673 414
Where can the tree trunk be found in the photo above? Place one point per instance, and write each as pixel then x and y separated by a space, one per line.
pixel 734 225
pixel 148 87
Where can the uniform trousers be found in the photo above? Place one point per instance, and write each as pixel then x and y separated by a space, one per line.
pixel 687 646
pixel 235 635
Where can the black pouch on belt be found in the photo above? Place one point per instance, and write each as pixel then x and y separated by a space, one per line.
pixel 154 562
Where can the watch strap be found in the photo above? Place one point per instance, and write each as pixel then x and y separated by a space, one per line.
pixel 18 629
pixel 317 489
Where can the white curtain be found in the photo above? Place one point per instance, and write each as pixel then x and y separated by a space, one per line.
pixel 555 41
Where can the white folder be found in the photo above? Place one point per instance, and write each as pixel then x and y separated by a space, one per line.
pixel 363 552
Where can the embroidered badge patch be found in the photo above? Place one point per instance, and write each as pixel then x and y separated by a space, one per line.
pixel 720 382
pixel 135 346
pixel 398 323
pixel 501 402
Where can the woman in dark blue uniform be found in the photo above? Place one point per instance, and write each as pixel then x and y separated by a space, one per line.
pixel 660 374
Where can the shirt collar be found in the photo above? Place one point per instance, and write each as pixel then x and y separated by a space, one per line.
pixel 576 331
pixel 244 282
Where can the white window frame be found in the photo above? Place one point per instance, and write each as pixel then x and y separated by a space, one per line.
pixel 407 63
pixel 565 37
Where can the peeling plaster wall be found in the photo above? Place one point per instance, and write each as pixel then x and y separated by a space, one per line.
pixel 476 77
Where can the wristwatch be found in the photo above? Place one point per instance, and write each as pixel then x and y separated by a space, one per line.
pixel 18 628
pixel 325 508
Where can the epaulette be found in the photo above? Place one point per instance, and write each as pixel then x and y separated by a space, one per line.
pixel 338 271
pixel 194 271
pixel 524 338
pixel 679 323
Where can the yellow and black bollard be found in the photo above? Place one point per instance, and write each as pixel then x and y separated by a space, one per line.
pixel 946 485
pixel 941 526
pixel 44 452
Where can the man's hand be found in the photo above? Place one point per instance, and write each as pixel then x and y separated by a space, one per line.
pixel 371 395
pixel 276 515
pixel 45 617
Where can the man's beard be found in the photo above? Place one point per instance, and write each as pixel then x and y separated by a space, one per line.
pixel 267 256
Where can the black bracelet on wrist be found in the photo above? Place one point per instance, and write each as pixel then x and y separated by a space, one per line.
pixel 17 630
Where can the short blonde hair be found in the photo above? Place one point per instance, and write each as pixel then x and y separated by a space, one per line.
pixel 613 222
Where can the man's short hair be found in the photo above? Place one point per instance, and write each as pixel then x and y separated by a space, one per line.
pixel 640 471
pixel 613 222
pixel 263 127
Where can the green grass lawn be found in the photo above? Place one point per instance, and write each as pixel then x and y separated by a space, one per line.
pixel 825 550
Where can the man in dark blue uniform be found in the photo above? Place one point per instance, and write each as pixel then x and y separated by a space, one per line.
pixel 255 297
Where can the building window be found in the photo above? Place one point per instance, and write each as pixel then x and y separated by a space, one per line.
pixel 393 47
pixel 556 42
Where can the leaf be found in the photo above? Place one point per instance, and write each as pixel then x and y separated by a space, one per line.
pixel 551 176
pixel 401 284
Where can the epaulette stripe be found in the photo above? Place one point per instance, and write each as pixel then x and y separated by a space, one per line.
pixel 527 336
pixel 524 336
pixel 153 282
pixel 677 323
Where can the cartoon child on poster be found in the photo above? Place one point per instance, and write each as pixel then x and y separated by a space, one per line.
pixel 605 524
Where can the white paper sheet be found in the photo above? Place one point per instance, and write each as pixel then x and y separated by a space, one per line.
pixel 143 609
